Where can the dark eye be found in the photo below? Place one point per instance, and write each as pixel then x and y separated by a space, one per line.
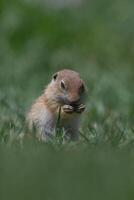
pixel 62 84
pixel 55 76
pixel 82 89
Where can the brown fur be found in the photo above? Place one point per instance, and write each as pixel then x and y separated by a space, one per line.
pixel 44 111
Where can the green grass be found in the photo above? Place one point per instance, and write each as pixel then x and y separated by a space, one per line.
pixel 96 39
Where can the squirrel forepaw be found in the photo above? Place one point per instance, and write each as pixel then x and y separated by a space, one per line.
pixel 81 108
pixel 68 109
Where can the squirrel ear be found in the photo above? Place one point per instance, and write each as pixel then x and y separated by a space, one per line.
pixel 54 76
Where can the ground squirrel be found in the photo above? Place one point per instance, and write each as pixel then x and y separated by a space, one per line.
pixel 66 93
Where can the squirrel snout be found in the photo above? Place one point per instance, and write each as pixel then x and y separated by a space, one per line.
pixel 75 103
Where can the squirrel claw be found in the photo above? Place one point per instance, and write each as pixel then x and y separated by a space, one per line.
pixel 81 108
pixel 68 109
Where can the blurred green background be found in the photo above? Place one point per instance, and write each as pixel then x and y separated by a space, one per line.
pixel 96 38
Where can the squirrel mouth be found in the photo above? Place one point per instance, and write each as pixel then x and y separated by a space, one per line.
pixel 75 104
pixel 64 101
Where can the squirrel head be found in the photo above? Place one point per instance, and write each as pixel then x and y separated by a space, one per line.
pixel 66 87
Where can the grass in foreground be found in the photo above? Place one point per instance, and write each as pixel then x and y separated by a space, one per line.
pixel 95 39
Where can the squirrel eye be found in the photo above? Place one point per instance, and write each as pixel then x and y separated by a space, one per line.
pixel 62 84
pixel 55 76
pixel 82 88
